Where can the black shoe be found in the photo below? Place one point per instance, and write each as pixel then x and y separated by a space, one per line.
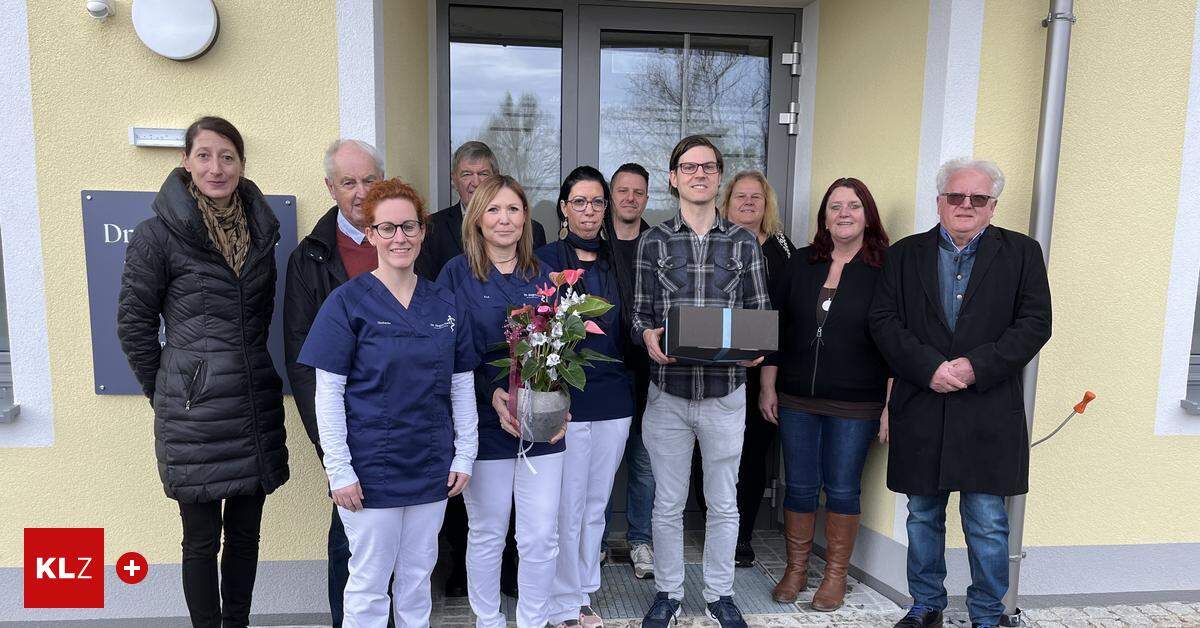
pixel 663 612
pixel 743 556
pixel 456 584
pixel 920 617
pixel 726 613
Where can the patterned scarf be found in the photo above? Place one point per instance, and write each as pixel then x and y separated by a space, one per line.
pixel 226 226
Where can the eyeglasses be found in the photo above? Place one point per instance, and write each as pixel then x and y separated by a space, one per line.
pixel 348 185
pixel 580 203
pixel 688 167
pixel 387 230
pixel 977 200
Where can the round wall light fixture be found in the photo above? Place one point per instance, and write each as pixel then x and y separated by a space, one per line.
pixel 177 29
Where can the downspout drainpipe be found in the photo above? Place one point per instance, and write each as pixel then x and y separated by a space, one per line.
pixel 1041 218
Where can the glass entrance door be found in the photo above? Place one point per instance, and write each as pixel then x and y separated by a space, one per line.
pixel 649 77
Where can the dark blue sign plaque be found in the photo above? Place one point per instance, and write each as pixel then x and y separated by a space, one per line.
pixel 109 219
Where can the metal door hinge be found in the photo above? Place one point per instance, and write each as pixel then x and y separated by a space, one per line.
pixel 791 118
pixel 793 58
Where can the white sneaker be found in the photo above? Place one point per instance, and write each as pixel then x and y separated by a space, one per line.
pixel 642 557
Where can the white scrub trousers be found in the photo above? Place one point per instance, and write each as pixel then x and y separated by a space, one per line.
pixel 384 541
pixel 489 499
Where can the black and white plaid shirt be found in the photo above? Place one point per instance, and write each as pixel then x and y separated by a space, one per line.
pixel 723 268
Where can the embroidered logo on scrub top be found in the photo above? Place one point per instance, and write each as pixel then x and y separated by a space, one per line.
pixel 383 322
pixel 449 323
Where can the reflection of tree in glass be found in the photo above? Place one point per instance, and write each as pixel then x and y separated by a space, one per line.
pixel 526 142
pixel 727 100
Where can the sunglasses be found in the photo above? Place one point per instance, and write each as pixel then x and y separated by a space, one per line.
pixel 977 200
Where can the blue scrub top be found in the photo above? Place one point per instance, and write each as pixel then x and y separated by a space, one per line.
pixel 608 393
pixel 488 302
pixel 397 362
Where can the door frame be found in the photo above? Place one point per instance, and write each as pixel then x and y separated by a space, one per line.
pixel 576 138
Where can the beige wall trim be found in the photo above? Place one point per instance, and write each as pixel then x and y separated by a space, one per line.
pixel 1185 270
pixel 806 98
pixel 360 71
pixel 21 230
pixel 954 40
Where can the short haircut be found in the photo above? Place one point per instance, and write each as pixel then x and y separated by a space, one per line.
pixel 472 236
pixel 688 143
pixel 473 151
pixel 388 189
pixel 337 145
pixel 631 168
pixel 771 224
pixel 988 168
pixel 217 125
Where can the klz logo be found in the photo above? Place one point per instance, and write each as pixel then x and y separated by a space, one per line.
pixel 64 567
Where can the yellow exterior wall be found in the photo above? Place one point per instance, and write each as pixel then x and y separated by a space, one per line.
pixel 406 89
pixel 1106 479
pixel 273 73
pixel 867 124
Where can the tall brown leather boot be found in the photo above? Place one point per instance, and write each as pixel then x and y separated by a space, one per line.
pixel 840 532
pixel 798 531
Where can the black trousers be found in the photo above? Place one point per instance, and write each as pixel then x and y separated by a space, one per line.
pixel 224 603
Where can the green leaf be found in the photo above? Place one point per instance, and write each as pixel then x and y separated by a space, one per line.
pixel 596 356
pixel 573 329
pixel 592 307
pixel 529 370
pixel 523 347
pixel 573 374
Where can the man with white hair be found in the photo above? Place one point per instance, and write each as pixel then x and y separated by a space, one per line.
pixel 336 251
pixel 958 313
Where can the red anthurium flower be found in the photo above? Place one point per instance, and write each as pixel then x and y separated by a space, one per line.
pixel 592 328
pixel 545 291
pixel 572 276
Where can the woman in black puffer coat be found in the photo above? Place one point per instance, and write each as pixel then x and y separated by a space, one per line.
pixel 205 262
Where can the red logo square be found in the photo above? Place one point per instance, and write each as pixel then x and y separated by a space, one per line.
pixel 64 567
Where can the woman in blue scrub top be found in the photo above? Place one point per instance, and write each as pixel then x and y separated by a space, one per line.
pixel 498 270
pixel 602 412
pixel 394 358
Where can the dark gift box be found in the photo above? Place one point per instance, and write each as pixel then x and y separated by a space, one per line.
pixel 720 334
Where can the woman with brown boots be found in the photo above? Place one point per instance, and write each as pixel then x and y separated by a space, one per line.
pixel 827 386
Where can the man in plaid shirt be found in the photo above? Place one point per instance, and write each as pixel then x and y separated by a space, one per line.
pixel 696 258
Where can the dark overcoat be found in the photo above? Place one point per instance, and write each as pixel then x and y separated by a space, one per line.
pixel 973 440
pixel 218 401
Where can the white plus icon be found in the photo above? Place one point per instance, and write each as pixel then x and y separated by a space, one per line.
pixel 132 568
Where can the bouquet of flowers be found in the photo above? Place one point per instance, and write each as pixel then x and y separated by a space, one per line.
pixel 542 360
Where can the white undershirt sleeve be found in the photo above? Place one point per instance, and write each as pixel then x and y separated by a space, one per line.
pixel 331 428
pixel 466 421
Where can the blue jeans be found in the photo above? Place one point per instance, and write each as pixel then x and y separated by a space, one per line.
pixel 985 524
pixel 639 490
pixel 824 452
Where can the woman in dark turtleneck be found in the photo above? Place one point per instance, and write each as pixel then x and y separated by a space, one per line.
pixel 601 413
pixel 205 263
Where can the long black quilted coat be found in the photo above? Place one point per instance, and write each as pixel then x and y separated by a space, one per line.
pixel 218 403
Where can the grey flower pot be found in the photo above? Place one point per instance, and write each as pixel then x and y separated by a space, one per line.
pixel 542 414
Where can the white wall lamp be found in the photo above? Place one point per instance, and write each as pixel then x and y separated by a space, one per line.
pixel 100 9
pixel 180 30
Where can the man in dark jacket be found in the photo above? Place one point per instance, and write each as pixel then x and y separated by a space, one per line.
pixel 958 313
pixel 335 251
pixel 473 163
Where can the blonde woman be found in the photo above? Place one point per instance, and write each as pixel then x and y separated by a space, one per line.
pixel 497 270
pixel 750 202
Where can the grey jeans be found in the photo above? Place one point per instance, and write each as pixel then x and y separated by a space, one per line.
pixel 671 426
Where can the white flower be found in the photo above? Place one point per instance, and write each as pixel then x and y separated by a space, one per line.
pixel 552 374
pixel 557 330
pixel 556 344
pixel 553 359
pixel 537 339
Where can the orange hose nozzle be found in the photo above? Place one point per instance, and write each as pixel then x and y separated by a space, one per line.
pixel 1088 396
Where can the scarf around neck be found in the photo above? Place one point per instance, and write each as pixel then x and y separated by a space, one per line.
pixel 226 227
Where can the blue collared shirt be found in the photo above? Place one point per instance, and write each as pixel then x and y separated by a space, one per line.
pixel 954 272
pixel 349 229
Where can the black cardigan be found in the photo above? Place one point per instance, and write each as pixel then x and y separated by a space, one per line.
pixel 848 365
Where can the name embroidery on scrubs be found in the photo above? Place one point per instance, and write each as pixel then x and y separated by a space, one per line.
pixel 383 322
pixel 449 323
